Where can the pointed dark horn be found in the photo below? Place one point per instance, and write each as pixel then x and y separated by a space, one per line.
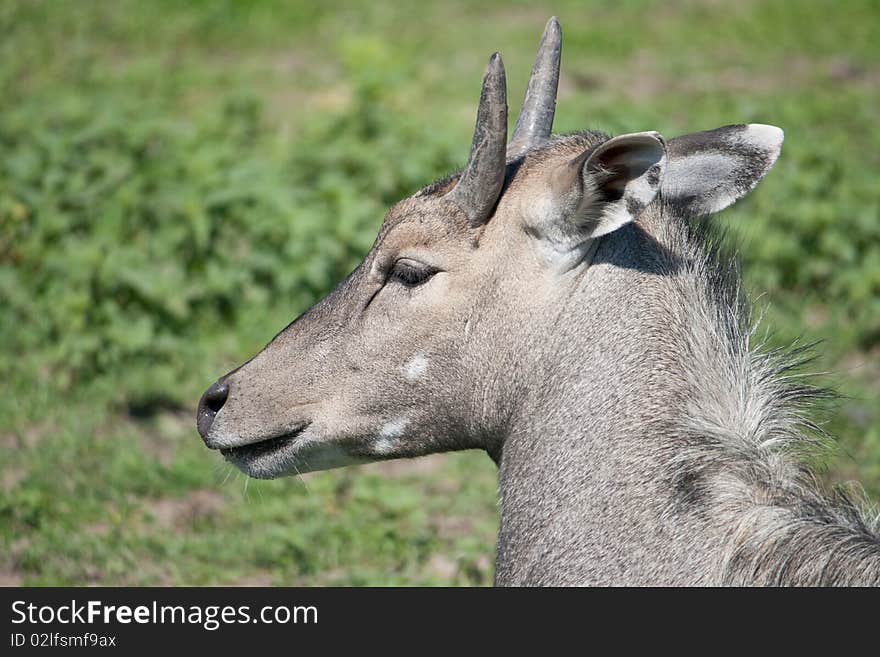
pixel 535 119
pixel 480 184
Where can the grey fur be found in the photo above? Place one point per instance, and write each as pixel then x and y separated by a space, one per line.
pixel 642 437
pixel 661 447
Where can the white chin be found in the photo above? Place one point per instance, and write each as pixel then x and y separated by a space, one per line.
pixel 279 458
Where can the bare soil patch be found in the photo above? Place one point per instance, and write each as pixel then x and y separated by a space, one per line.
pixel 183 512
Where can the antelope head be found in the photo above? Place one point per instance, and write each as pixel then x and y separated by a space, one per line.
pixel 431 342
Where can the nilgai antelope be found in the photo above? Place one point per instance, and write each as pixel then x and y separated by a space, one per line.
pixel 561 304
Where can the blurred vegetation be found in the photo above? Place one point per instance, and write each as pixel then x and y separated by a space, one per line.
pixel 179 180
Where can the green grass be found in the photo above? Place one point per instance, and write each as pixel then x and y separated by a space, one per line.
pixel 179 180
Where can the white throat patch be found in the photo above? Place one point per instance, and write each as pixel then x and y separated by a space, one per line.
pixel 389 433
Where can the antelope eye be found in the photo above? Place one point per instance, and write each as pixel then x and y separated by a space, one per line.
pixel 410 273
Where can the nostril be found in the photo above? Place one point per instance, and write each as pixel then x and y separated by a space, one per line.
pixel 216 395
pixel 209 405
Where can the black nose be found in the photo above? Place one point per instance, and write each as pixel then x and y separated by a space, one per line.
pixel 209 405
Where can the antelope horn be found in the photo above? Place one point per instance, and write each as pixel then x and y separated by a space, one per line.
pixel 539 104
pixel 480 183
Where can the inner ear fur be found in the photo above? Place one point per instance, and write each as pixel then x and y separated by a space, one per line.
pixel 610 185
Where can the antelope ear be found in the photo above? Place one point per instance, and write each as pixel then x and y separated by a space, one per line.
pixel 708 171
pixel 607 187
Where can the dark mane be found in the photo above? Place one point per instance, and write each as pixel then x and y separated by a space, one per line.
pixel 746 427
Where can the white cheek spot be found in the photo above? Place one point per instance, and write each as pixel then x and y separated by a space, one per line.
pixel 388 435
pixel 415 368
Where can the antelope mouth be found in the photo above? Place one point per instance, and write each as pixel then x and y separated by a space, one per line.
pixel 262 449
pixel 295 452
